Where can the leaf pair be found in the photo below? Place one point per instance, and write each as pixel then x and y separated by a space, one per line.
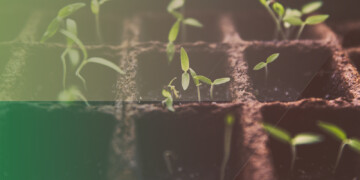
pixel 63 13
pixel 212 83
pixel 185 66
pixel 269 60
pixel 312 20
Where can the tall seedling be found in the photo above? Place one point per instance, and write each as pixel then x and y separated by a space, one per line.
pixel 172 8
pixel 212 83
pixel 340 135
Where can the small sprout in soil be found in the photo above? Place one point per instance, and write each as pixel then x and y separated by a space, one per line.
pixel 181 21
pixel 229 123
pixel 86 60
pixel 269 60
pixel 173 88
pixel 287 19
pixel 212 83
pixel 185 66
pixel 95 9
pixel 300 139
pixel 168 102
pixel 70 95
pixel 55 24
pixel 340 134
pixel 196 82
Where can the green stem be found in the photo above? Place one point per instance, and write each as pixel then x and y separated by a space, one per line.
pixel 198 92
pixel 63 59
pixel 300 31
pixel 341 149
pixel 83 63
pixel 227 150
pixel 98 30
pixel 211 91
pixel 277 22
pixel 293 152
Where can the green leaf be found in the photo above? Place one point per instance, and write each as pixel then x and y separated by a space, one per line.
pixel 169 104
pixel 221 81
pixel 95 6
pixel 185 65
pixel 204 79
pixel 69 9
pixel 51 30
pixel 333 130
pixel 293 20
pixel 174 31
pixel 316 19
pixel 306 138
pixel 230 120
pixel 260 66
pixel 311 7
pixel 277 133
pixel 264 2
pixel 292 13
pixel 192 22
pixel 185 80
pixel 103 1
pixel 76 40
pixel 279 9
pixel 166 93
pixel 105 62
pixel 170 51
pixel 193 75
pixel 272 58
pixel 71 27
pixel 175 4
pixel 74 57
pixel 355 144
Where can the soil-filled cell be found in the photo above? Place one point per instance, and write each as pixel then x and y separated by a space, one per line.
pixel 259 26
pixel 154 72
pixel 188 144
pixel 316 161
pixel 300 71
pixel 156 27
pixel 41 78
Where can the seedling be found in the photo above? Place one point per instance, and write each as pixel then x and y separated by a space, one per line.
pixel 168 102
pixel 285 137
pixel 172 8
pixel 72 94
pixel 173 89
pixel 229 123
pixel 340 134
pixel 196 82
pixel 95 9
pixel 264 65
pixel 285 19
pixel 212 83
pixel 312 20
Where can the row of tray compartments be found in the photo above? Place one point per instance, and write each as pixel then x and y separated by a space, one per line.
pixel 195 133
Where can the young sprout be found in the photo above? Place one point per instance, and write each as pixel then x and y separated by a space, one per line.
pixel 173 88
pixel 185 66
pixel 196 82
pixel 340 134
pixel 86 60
pixel 55 24
pixel 95 9
pixel 72 94
pixel 172 8
pixel 279 10
pixel 312 20
pixel 269 60
pixel 212 83
pixel 229 123
pixel 285 137
pixel 168 102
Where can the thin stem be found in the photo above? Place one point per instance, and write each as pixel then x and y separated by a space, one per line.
pixel 83 63
pixel 198 92
pixel 98 30
pixel 341 149
pixel 63 59
pixel 300 31
pixel 266 73
pixel 277 22
pixel 211 91
pixel 227 150
pixel 293 152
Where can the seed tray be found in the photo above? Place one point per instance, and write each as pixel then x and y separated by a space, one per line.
pixel 328 90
